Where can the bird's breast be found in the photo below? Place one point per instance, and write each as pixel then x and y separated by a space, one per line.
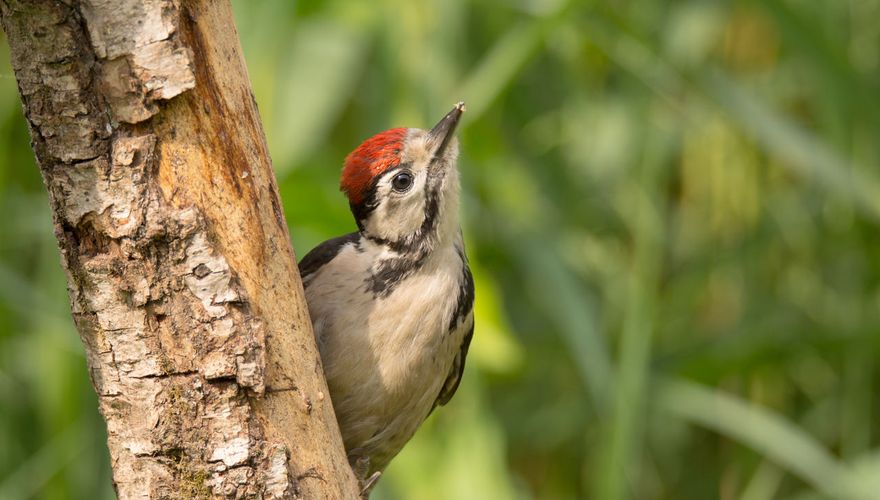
pixel 386 357
pixel 408 329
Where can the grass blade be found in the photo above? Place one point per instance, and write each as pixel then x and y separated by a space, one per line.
pixel 776 438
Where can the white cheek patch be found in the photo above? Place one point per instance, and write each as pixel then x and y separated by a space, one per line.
pixel 398 215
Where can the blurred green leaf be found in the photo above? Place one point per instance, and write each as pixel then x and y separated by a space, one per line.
pixel 574 314
pixel 764 483
pixel 804 153
pixel 497 350
pixel 495 72
pixel 498 68
pixel 33 472
pixel 778 439
pixel 315 79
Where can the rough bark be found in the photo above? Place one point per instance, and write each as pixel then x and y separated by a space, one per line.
pixel 182 280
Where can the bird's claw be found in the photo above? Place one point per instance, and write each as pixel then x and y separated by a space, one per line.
pixel 367 485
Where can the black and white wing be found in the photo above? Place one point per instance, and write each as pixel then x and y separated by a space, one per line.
pixel 463 313
pixel 322 254
pixel 454 377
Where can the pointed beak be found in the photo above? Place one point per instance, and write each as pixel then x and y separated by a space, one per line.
pixel 444 131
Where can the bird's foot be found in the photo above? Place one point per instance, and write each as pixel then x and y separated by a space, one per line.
pixel 360 465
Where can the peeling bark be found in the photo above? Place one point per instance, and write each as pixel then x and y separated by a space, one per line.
pixel 182 280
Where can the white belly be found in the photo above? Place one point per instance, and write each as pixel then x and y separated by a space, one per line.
pixel 385 358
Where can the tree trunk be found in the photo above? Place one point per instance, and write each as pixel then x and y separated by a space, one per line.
pixel 182 280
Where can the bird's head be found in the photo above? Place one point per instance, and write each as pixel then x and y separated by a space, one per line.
pixel 402 184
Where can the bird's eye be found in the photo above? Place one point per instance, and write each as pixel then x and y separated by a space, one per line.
pixel 402 181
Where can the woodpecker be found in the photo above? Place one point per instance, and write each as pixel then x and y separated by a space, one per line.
pixel 392 304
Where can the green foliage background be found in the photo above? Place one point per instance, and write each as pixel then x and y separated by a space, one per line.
pixel 671 209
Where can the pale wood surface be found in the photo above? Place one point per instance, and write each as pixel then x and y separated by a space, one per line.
pixel 182 280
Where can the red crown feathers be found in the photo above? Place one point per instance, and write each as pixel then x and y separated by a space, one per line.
pixel 374 156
